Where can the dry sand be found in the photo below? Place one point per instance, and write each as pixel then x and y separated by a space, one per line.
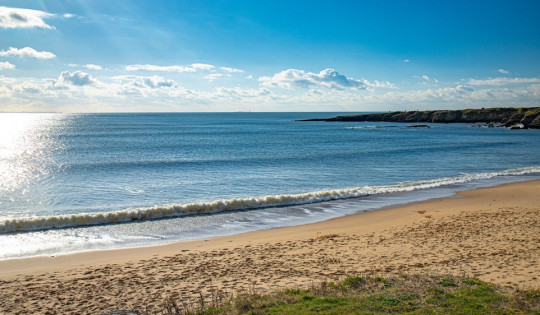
pixel 493 234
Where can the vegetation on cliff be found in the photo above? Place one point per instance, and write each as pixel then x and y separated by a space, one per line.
pixel 529 117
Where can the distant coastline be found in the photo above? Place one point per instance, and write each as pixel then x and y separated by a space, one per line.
pixel 518 118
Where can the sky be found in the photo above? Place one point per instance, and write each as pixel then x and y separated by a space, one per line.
pixel 208 56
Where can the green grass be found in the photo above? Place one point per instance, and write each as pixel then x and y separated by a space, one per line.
pixel 533 111
pixel 405 294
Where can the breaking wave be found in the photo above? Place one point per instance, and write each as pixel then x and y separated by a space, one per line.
pixel 236 204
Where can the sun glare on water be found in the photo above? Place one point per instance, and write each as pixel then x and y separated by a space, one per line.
pixel 24 143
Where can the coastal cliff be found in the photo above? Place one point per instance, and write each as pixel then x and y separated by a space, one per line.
pixel 528 117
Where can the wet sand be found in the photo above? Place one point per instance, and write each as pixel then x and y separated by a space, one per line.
pixel 492 233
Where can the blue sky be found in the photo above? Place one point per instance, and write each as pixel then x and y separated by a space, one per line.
pixel 115 56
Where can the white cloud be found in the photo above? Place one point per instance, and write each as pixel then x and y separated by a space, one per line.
pixel 79 91
pixel 239 94
pixel 425 79
pixel 328 78
pixel 153 82
pixel 231 70
pixel 23 18
pixel 202 66
pixel 406 61
pixel 88 66
pixel 30 88
pixel 503 71
pixel 503 81
pixel 28 52
pixel 93 67
pixel 77 78
pixel 175 68
pixel 214 76
pixel 6 65
pixel 379 84
pixel 7 80
pixel 464 88
pixel 157 68
pixel 69 15
pixel 458 96
pixel 428 79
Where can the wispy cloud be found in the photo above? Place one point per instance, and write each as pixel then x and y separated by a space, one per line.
pixel 455 97
pixel 90 66
pixel 202 66
pixel 215 76
pixel 6 65
pixel 153 82
pixel 379 84
pixel 174 68
pixel 428 79
pixel 23 18
pixel 231 70
pixel 240 94
pixel 27 52
pixel 503 71
pixel 503 81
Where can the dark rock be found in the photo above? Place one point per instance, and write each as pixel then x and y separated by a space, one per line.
pixel 418 126
pixel 529 117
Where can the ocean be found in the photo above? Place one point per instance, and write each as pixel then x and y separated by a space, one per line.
pixel 78 182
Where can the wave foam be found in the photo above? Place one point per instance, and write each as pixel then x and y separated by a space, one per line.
pixel 169 211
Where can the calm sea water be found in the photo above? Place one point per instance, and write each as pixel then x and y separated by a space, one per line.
pixel 72 182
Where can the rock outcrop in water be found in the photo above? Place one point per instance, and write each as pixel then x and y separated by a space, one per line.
pixel 528 117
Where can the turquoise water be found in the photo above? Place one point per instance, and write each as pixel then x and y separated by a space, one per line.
pixel 68 180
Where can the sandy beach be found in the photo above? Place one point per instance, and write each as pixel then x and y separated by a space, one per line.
pixel 492 233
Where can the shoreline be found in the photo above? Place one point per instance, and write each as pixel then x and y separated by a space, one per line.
pixel 187 227
pixel 491 233
pixel 126 254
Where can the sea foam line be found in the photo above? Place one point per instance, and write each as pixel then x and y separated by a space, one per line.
pixel 123 216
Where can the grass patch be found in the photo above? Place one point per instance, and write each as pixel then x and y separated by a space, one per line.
pixel 411 294
pixel 354 282
pixel 447 282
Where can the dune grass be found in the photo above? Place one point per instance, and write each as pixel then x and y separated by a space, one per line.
pixel 373 295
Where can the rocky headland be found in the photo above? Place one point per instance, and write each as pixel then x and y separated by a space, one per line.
pixel 509 117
